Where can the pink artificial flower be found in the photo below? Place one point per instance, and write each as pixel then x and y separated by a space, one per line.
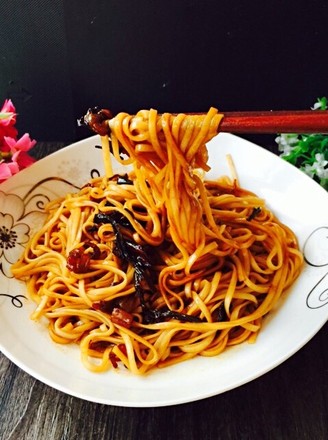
pixel 18 150
pixel 22 144
pixel 13 151
pixel 8 120
pixel 8 107
pixel 8 169
pixel 22 159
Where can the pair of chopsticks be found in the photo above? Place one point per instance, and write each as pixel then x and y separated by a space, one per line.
pixel 307 121
pixel 300 122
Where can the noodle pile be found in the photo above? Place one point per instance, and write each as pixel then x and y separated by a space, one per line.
pixel 160 265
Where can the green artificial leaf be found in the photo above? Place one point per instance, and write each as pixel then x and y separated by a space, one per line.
pixel 309 152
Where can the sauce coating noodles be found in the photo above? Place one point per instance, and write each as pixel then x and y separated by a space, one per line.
pixel 161 265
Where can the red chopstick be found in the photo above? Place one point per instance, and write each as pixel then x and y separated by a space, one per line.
pixel 308 121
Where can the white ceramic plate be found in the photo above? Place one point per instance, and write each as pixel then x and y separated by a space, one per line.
pixel 295 198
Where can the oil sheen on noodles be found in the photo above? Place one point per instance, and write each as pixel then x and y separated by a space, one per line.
pixel 160 265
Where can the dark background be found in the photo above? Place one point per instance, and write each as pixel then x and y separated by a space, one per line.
pixel 57 58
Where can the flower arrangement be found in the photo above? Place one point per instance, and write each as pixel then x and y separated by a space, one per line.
pixel 309 152
pixel 13 150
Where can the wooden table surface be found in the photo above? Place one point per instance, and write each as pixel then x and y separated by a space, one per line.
pixel 290 402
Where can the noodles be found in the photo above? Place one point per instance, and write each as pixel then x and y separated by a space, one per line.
pixel 158 266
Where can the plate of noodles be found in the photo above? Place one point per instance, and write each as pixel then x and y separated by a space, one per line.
pixel 140 285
